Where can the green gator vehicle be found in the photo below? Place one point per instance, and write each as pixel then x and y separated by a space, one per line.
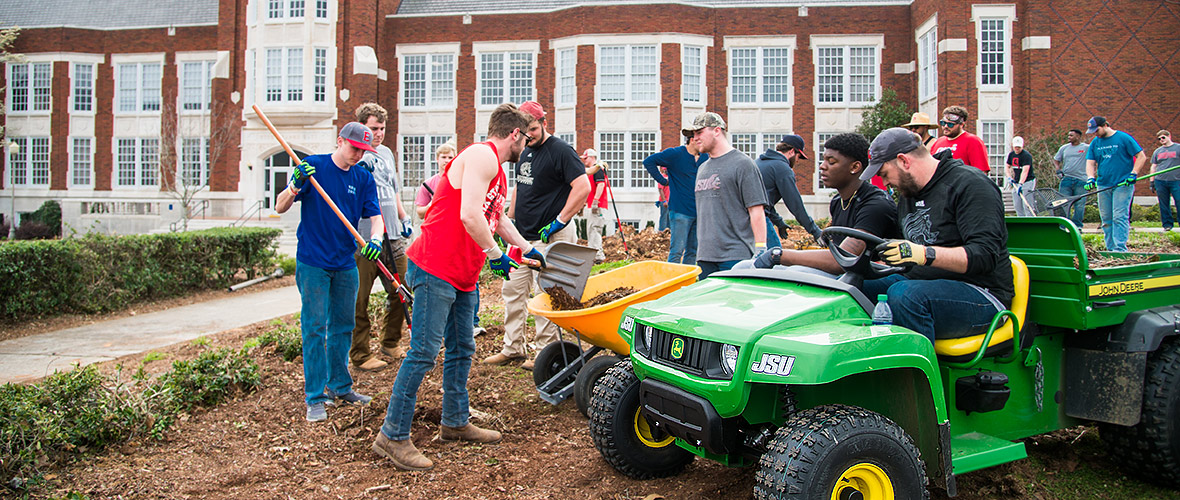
pixel 786 370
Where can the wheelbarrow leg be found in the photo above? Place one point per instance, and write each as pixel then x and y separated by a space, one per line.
pixel 553 391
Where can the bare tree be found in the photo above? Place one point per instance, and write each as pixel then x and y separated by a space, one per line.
pixel 191 143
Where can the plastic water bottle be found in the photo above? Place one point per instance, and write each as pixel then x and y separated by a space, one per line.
pixel 881 314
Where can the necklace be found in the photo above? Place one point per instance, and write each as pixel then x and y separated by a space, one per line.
pixel 844 206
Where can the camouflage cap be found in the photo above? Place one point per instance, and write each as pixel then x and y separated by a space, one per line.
pixel 706 119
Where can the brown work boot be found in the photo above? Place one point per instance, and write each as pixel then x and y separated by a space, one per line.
pixel 372 365
pixel 468 432
pixel 500 359
pixel 395 353
pixel 527 365
pixel 403 453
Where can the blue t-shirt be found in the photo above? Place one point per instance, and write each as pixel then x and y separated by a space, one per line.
pixel 324 242
pixel 1115 156
pixel 682 177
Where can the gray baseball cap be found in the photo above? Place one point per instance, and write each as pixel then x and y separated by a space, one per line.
pixel 357 134
pixel 887 146
pixel 706 119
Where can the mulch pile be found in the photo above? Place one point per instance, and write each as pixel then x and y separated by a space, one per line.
pixel 648 244
pixel 563 301
pixel 1140 253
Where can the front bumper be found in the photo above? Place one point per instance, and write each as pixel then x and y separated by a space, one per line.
pixel 686 416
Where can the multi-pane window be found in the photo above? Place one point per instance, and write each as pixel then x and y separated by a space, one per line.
pixel 505 76
pixel 847 75
pixel 194 161
pixel 138 87
pixel 995 139
pixel 81 162
pixel 83 87
pixel 428 80
pixel 418 162
pixel 293 9
pixel 754 144
pixel 137 161
pixel 760 75
pixel 196 81
pixel 28 162
pixel 623 153
pixel 320 85
pixel 692 73
pixel 569 138
pixel 296 8
pixel 819 154
pixel 993 51
pixel 566 85
pixel 284 74
pixel 435 142
pixel 928 65
pixel 628 73
pixel 29 87
pixel 321 9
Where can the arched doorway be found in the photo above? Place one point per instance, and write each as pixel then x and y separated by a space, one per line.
pixel 277 170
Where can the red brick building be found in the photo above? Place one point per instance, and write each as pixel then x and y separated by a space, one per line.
pixel 103 95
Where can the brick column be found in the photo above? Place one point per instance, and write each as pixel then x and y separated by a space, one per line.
pixel 59 155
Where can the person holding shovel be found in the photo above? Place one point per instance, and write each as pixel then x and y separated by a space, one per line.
pixel 1113 159
pixel 325 271
pixel 445 260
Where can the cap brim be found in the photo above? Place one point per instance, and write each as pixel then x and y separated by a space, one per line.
pixel 871 170
pixel 688 132
pixel 801 154
pixel 930 125
pixel 362 145
pixel 1091 130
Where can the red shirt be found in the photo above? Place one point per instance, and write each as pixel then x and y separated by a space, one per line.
pixel 444 249
pixel 967 147
pixel 594 184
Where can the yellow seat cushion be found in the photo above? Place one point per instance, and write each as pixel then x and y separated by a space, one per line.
pixel 968 346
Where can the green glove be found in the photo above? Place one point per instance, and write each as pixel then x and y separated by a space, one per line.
pixel 372 249
pixel 1130 179
pixel 1091 184
pixel 300 174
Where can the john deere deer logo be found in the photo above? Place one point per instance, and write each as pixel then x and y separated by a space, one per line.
pixel 677 348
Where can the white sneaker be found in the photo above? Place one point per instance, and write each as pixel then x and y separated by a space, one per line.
pixel 478 331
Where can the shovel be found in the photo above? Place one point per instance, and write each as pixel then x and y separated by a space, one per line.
pixel 1068 202
pixel 567 266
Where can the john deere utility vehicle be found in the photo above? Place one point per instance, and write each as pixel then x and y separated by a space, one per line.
pixel 786 371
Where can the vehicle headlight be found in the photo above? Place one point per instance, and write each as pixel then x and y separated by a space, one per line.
pixel 729 355
pixel 647 334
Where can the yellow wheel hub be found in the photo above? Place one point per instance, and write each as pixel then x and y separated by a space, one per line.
pixel 651 438
pixel 863 481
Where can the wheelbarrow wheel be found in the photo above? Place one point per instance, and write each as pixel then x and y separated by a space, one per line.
pixel 550 361
pixel 623 435
pixel 587 377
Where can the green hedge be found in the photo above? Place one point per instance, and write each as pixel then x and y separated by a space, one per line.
pixel 97 273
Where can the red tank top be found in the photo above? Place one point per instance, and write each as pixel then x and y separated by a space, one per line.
pixel 444 249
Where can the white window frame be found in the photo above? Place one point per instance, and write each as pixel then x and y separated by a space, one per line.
pixel 30 87
pixel 820 138
pixel 320 61
pixel 321 6
pixel 631 78
pixel 437 87
pixel 565 93
pixel 204 86
pixel 761 141
pixel 846 93
pixel 277 11
pixel 203 168
pixel 413 168
pixel 142 94
pixel 140 162
pixel 1005 53
pixel 689 70
pixel 24 157
pixel 626 171
pixel 927 40
pixel 79 84
pixel 760 45
pixel 77 163
pixel 506 79
pixel 571 139
pixel 284 77
pixel 997 142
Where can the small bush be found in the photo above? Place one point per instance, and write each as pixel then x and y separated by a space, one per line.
pixel 34 230
pixel 207 380
pixel 288 341
pixel 1092 214
pixel 288 265
pixel 48 214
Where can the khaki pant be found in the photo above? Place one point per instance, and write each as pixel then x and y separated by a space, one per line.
pixel 595 225
pixel 516 292
pixel 367 271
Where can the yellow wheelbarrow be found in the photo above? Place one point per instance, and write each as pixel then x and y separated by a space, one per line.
pixel 564 368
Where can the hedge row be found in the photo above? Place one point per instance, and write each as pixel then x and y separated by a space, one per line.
pixel 97 273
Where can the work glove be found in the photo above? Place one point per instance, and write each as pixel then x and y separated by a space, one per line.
pixel 372 249
pixel 407 227
pixel 1091 184
pixel 769 258
pixel 551 229
pixel 500 263
pixel 1130 179
pixel 783 233
pixel 535 254
pixel 902 252
pixel 300 174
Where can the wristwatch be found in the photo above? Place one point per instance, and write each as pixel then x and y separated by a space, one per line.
pixel 929 256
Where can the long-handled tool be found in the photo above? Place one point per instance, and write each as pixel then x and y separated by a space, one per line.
pixel 403 293
pixel 618 221
pixel 1068 202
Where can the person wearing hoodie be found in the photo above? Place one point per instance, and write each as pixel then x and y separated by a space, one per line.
pixel 778 177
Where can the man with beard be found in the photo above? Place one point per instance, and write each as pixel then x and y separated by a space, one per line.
pixel 952 219
pixel 778 177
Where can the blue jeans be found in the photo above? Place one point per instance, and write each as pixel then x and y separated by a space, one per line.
pixel 683 247
pixel 708 267
pixel 440 317
pixel 1166 191
pixel 476 324
pixel 663 223
pixel 326 319
pixel 1072 186
pixel 772 239
pixel 951 308
pixel 1115 207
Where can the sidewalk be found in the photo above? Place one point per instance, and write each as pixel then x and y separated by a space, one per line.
pixel 35 356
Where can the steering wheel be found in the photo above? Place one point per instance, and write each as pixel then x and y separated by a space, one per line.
pixel 862 265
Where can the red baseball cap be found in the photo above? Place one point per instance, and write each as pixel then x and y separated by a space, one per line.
pixel 533 108
pixel 357 134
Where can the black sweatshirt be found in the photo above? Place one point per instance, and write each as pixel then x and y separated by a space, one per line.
pixel 961 207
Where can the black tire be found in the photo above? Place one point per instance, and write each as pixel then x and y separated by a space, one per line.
pixel 550 361
pixel 823 452
pixel 1151 448
pixel 615 425
pixel 587 377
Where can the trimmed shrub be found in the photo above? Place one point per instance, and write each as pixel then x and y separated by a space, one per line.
pixel 34 230
pixel 49 214
pixel 98 273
